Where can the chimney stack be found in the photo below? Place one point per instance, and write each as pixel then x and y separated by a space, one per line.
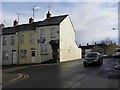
pixel 48 15
pixel 95 43
pixel 15 23
pixel 31 20
pixel 87 44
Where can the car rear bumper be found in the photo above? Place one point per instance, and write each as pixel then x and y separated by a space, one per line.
pixel 92 62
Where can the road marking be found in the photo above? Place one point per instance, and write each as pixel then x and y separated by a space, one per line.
pixel 21 77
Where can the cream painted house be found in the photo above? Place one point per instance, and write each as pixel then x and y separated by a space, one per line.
pixel 57 39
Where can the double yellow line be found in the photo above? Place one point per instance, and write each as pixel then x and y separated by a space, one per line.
pixel 21 77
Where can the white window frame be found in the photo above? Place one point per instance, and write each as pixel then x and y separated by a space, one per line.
pixel 53 34
pixel 32 38
pixel 12 40
pixel 23 53
pixel 21 39
pixel 4 40
pixel 42 32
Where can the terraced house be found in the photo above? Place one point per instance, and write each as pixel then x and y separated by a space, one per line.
pixel 52 39
pixel 9 46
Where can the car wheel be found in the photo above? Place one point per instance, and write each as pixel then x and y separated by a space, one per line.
pixel 85 65
pixel 101 62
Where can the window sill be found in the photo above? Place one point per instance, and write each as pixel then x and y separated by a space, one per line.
pixel 43 54
pixel 52 37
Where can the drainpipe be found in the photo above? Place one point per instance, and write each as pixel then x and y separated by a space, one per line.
pixel 18 46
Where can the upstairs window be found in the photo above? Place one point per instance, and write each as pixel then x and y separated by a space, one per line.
pixel 4 41
pixel 32 37
pixel 53 34
pixel 42 35
pixel 42 32
pixel 12 40
pixel 21 39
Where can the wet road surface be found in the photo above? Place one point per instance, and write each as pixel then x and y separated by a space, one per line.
pixel 69 75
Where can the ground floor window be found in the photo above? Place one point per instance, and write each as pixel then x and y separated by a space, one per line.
pixel 23 53
pixel 44 49
pixel 5 55
pixel 33 52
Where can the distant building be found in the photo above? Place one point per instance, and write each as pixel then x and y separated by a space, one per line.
pixel 101 48
pixel 52 39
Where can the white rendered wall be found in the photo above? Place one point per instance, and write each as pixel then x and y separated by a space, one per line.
pixel 68 47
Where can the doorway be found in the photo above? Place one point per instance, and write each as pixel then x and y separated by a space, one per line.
pixel 33 55
pixel 14 61
pixel 55 48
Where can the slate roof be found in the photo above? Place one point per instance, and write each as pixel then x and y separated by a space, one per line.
pixel 56 20
pixel 53 20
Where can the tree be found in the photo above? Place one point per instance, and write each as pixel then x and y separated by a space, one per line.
pixel 105 43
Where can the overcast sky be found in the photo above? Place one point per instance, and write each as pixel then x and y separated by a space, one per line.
pixel 93 20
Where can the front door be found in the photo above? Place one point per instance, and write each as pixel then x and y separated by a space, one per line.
pixel 55 48
pixel 14 57
pixel 55 54
pixel 33 55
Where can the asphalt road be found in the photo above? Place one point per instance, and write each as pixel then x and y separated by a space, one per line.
pixel 69 75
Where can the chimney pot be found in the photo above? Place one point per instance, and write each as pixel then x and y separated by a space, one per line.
pixel 15 23
pixel 48 15
pixel 95 43
pixel 31 20
pixel 87 44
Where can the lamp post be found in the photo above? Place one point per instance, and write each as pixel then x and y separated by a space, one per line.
pixel 118 34
pixel 17 35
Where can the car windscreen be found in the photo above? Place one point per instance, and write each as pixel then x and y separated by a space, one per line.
pixel 92 55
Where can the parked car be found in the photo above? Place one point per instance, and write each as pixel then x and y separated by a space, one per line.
pixel 93 58
pixel 117 52
pixel 104 56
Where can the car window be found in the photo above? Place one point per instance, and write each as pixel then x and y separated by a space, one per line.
pixel 92 55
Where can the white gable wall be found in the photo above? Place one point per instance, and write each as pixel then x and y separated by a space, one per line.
pixel 68 47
